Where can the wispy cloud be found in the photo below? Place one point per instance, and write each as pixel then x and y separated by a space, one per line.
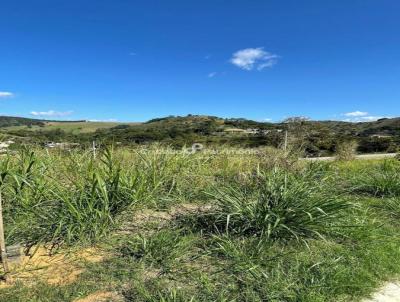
pixel 212 74
pixel 132 53
pixel 361 119
pixel 51 113
pixel 253 58
pixel 356 113
pixel 106 120
pixel 6 94
pixel 360 116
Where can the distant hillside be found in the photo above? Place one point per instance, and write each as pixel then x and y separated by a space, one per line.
pixel 315 137
pixel 386 126
pixel 10 121
pixel 383 126
pixel 14 121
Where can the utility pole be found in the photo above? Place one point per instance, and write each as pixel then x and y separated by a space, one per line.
pixel 3 251
pixel 286 141
pixel 94 149
pixel 286 154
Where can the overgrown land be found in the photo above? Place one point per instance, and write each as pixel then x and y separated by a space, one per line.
pixel 222 224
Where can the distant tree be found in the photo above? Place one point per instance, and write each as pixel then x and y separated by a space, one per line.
pixel 346 150
pixel 375 144
pixel 297 133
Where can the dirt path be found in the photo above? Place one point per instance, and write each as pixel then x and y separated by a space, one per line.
pixel 390 292
pixel 363 156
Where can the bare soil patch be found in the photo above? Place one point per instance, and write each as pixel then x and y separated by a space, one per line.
pixel 101 296
pixel 56 269
pixel 390 292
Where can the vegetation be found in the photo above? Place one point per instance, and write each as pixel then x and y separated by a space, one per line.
pixel 222 224
pixel 346 150
pixel 312 138
pixel 381 180
pixel 278 205
pixel 9 121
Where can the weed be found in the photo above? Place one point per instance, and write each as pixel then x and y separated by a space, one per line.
pixel 279 205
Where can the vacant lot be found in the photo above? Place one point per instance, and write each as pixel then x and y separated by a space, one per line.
pixel 153 224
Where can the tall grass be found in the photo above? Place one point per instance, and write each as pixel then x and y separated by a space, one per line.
pixel 246 244
pixel 279 205
pixel 66 197
pixel 72 197
pixel 391 207
pixel 380 180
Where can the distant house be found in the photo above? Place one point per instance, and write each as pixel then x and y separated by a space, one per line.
pixel 4 145
pixel 381 136
pixel 252 131
pixel 234 130
pixel 52 145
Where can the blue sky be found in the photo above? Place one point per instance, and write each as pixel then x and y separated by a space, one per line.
pixel 136 60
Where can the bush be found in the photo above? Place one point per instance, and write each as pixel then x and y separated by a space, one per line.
pixel 346 151
pixel 279 205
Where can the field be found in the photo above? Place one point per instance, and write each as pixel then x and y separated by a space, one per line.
pixel 217 225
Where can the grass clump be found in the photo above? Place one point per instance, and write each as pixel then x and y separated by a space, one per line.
pixel 159 250
pixel 381 180
pixel 391 207
pixel 279 205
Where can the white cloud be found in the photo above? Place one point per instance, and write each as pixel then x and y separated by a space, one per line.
pixel 106 120
pixel 268 119
pixel 360 116
pixel 51 113
pixel 356 113
pixel 251 58
pixel 361 119
pixel 212 74
pixel 369 118
pixel 6 94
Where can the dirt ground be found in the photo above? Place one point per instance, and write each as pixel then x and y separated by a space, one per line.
pixel 57 269
pixel 390 292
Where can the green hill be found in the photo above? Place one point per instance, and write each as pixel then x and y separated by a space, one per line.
pixel 12 121
pixel 316 137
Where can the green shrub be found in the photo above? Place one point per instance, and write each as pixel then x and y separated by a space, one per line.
pixel 279 205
